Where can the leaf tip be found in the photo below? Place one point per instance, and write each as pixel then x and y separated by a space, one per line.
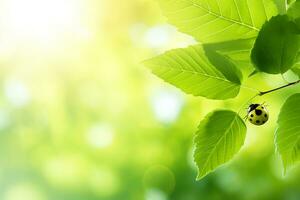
pixel 200 176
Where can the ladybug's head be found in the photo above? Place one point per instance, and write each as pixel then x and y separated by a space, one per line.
pixel 252 107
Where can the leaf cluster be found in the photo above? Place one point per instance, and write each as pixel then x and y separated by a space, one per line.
pixel 234 36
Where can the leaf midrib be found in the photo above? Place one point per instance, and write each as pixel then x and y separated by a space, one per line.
pixel 201 74
pixel 222 137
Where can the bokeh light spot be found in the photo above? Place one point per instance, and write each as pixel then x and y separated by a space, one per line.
pixel 166 105
pixel 158 36
pixel 100 135
pixel 16 92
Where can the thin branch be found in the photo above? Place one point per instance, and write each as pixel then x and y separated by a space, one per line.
pixel 273 90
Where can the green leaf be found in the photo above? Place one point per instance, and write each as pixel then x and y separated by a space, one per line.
pixel 290 1
pixel 282 6
pixel 190 70
pixel 236 51
pixel 219 20
pixel 288 131
pixel 220 136
pixel 296 70
pixel 223 64
pixel 277 45
pixel 294 12
pixel 253 73
pixel 296 67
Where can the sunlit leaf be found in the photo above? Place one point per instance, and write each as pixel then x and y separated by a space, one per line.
pixel 190 70
pixel 276 47
pixel 219 20
pixel 220 136
pixel 236 51
pixel 224 64
pixel 288 132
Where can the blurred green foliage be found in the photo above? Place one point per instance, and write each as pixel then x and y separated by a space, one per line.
pixel 83 120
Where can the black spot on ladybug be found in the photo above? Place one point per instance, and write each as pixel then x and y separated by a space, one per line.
pixel 251 120
pixel 266 115
pixel 263 122
pixel 262 107
pixel 257 121
pixel 258 112
pixel 251 115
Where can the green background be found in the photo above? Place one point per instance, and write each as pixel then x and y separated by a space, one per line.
pixel 82 119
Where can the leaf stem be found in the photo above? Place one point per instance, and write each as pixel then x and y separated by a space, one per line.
pixel 281 87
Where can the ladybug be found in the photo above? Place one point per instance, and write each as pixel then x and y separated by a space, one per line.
pixel 257 114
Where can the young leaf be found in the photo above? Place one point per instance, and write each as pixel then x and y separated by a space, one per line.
pixel 219 20
pixel 288 132
pixel 190 70
pixel 220 136
pixel 277 45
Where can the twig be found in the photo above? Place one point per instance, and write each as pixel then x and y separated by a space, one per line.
pixel 284 86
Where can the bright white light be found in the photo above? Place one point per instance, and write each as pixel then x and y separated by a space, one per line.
pixel 100 136
pixel 167 105
pixel 16 92
pixel 42 21
pixel 158 36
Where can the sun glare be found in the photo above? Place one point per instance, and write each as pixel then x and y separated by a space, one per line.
pixel 41 22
